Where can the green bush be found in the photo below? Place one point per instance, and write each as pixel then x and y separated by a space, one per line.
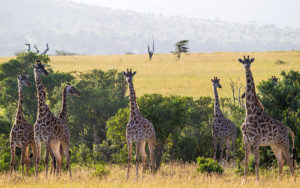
pixel 251 166
pixel 100 170
pixel 4 153
pixel 209 166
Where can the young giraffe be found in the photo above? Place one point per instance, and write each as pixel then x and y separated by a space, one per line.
pixel 68 90
pixel 261 130
pixel 49 129
pixel 222 127
pixel 21 134
pixel 139 130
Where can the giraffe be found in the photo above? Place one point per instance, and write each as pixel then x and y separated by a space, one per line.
pixel 48 128
pixel 139 130
pixel 67 90
pixel 21 134
pixel 222 127
pixel 259 129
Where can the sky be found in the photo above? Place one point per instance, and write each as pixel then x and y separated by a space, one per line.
pixel 282 13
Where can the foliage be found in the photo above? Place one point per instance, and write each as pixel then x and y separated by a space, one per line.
pixel 100 170
pixel 102 94
pixel 181 47
pixel 8 84
pixel 64 53
pixel 251 166
pixel 208 166
pixel 4 153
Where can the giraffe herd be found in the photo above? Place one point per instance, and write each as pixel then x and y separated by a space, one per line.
pixel 258 128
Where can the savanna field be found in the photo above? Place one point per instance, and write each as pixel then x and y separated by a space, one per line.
pixel 189 76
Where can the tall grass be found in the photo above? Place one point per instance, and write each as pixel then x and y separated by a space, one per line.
pixel 170 175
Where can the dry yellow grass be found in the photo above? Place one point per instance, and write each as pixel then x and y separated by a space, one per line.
pixel 170 175
pixel 188 77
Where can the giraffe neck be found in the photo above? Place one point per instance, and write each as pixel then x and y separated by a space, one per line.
pixel 134 109
pixel 250 94
pixel 21 100
pixel 41 94
pixel 63 112
pixel 217 109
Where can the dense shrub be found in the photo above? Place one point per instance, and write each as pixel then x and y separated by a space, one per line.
pixel 4 153
pixel 209 166
pixel 100 170
pixel 251 166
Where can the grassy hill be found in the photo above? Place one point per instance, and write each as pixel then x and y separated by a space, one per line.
pixel 190 76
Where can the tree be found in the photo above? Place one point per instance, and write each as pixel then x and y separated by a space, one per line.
pixel 8 84
pixel 151 52
pixel 181 47
pixel 102 94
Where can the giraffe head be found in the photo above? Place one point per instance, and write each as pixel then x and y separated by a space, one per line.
pixel 274 80
pixel 23 80
pixel 71 90
pixel 246 62
pixel 216 82
pixel 40 68
pixel 129 75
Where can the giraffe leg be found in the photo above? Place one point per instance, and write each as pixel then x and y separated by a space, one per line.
pixel 66 150
pixel 233 147
pixel 215 146
pixel 279 158
pixel 221 150
pixel 256 157
pixel 144 155
pixel 33 149
pixel 129 145
pixel 55 148
pixel 27 159
pixel 228 150
pixel 288 158
pixel 38 146
pixel 23 150
pixel 138 149
pixel 247 154
pixel 12 160
pixel 151 145
pixel 47 157
pixel 53 162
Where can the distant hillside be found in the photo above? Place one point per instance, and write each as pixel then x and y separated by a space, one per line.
pixel 86 29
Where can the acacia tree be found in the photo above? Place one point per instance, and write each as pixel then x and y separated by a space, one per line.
pixel 181 47
pixel 151 52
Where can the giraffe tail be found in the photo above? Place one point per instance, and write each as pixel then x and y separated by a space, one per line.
pixel 294 153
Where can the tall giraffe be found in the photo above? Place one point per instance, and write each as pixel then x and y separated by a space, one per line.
pixel 259 129
pixel 139 130
pixel 222 127
pixel 49 129
pixel 21 134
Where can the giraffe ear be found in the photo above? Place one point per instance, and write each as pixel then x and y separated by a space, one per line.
pixel 252 60
pixel 241 61
pixel 134 73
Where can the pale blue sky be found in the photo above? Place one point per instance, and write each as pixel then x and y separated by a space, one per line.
pixel 283 13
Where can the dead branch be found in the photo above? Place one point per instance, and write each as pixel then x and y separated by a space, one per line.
pixel 47 49
pixel 37 50
pixel 28 44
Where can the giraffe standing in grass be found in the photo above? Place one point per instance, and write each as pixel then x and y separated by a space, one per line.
pixel 261 130
pixel 139 130
pixel 222 127
pixel 49 129
pixel 21 134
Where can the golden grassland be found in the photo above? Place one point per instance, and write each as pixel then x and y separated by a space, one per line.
pixel 170 175
pixel 190 76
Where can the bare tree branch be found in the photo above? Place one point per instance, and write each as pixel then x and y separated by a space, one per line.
pixel 151 52
pixel 28 44
pixel 37 50
pixel 47 49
